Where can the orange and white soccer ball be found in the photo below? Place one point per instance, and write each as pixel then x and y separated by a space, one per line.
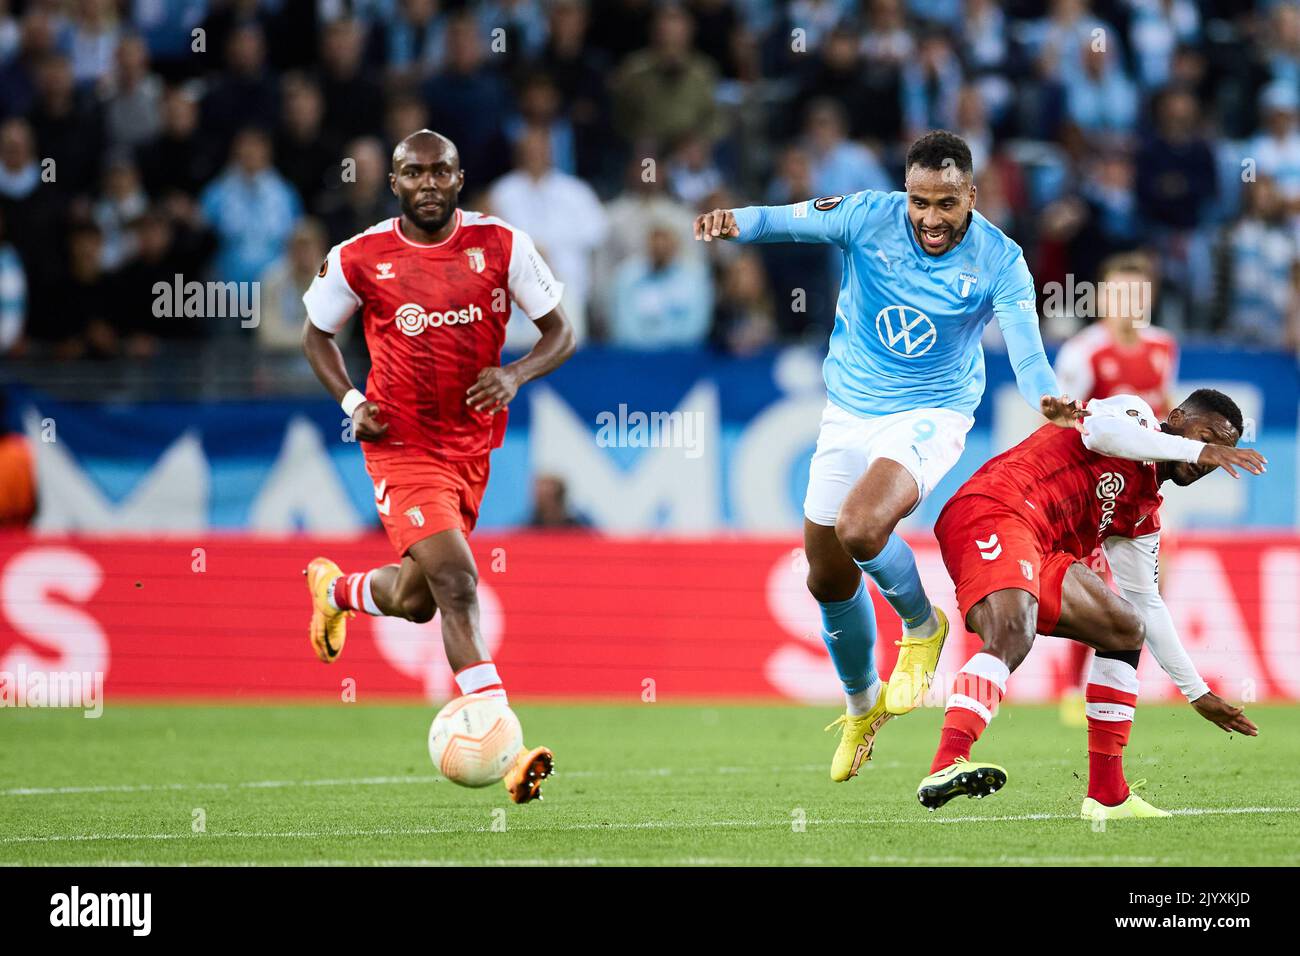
pixel 475 739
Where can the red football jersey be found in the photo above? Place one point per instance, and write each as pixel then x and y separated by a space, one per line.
pixel 434 316
pixel 1094 365
pixel 1075 498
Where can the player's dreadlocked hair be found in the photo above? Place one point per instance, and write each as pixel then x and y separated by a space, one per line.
pixel 1212 400
pixel 940 149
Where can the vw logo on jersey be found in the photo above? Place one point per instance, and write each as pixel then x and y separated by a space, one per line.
pixel 905 331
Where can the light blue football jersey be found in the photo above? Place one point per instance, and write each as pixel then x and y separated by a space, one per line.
pixel 908 325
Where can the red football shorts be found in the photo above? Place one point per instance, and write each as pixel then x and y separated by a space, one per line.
pixel 418 494
pixel 987 546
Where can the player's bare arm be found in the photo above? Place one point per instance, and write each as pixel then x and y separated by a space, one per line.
pixel 327 362
pixel 497 386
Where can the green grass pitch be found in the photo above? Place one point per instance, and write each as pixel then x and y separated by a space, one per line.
pixel 649 783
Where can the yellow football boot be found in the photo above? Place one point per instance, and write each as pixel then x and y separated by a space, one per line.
pixel 329 627
pixel 971 778
pixel 857 738
pixel 917 661
pixel 1133 808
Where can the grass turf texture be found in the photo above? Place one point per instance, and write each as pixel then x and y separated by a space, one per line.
pixel 637 784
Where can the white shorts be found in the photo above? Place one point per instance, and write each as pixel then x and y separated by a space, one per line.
pixel 925 441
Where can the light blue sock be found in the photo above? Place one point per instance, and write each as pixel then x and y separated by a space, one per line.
pixel 894 571
pixel 849 633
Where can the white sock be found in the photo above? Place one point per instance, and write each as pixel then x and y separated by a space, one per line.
pixel 480 678
pixel 861 702
pixel 925 628
pixel 368 599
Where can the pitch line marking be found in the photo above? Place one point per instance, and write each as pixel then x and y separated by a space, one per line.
pixel 579 827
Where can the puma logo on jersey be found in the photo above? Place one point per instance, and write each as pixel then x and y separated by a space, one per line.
pixel 880 254
pixel 382 504
pixel 990 549
pixel 384 270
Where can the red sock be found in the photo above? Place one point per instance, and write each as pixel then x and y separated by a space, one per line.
pixel 1111 695
pixel 976 693
pixel 349 592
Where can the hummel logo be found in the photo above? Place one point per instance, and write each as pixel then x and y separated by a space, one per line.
pixel 989 549
pixel 385 271
pixel 382 504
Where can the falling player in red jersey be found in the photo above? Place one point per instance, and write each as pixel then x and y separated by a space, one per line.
pixel 1014 538
pixel 434 286
pixel 1120 354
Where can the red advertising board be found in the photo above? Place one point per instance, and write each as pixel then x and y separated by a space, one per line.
pixel 566 615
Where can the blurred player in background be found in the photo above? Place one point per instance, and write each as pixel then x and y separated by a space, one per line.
pixel 434 286
pixel 1122 353
pixel 1014 538
pixel 923 273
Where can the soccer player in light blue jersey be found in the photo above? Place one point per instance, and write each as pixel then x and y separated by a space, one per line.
pixel 923 273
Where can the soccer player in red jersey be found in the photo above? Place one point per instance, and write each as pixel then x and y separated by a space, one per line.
pixel 434 286
pixel 1120 354
pixel 1014 539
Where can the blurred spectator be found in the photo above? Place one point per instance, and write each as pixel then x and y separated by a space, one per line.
pixel 839 74
pixel 551 505
pixel 412 43
pixel 743 318
pixel 283 284
pixel 32 214
pixel 354 100
pixel 164 246
pixel 121 202
pixel 13 294
pixel 800 274
pixel 1276 149
pixel 133 101
pixel 931 84
pixel 661 300
pixel 692 174
pixel 69 128
pixel 468 102
pixel 183 158
pixel 643 200
pixel 18 71
pixel 405 114
pixel 251 208
pixel 304 152
pixel 167 27
pixel 355 206
pixel 1100 99
pixel 667 90
pixel 839 166
pixel 578 70
pixel 95 35
pixel 17 473
pixel 539 108
pixel 523 25
pixel 9 31
pixel 1156 29
pixel 564 218
pixel 1257 272
pixel 245 93
pixel 84 318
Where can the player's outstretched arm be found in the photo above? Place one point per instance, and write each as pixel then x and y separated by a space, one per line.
pixel 1134 563
pixel 497 386
pixel 327 362
pixel 1122 436
pixel 1016 309
pixel 832 219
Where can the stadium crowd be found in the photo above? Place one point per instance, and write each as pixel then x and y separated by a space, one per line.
pixel 239 139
